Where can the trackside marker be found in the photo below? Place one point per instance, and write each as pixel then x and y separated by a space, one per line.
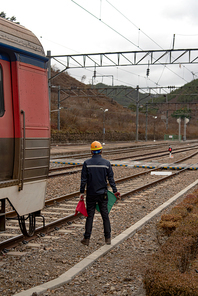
pixel 161 173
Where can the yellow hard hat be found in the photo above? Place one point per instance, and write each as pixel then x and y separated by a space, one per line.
pixel 95 146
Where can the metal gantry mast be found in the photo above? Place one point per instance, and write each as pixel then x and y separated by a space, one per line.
pixel 129 58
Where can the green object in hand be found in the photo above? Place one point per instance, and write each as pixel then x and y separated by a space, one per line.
pixel 111 200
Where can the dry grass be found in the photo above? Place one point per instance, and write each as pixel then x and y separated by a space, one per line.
pixel 170 270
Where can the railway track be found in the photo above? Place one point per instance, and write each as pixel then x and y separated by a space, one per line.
pixel 129 150
pixel 136 152
pixel 66 170
pixel 63 207
pixel 56 260
pixel 111 151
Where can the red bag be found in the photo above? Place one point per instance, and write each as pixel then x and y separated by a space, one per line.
pixel 81 208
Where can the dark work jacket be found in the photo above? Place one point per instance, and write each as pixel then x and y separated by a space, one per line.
pixel 95 173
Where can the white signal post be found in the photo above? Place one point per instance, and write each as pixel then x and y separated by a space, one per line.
pixel 179 121
pixel 186 120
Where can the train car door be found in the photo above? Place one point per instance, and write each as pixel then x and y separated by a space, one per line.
pixel 6 120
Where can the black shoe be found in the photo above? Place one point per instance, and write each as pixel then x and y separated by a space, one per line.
pixel 85 241
pixel 108 241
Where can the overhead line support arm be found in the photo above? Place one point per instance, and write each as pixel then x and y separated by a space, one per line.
pixel 125 58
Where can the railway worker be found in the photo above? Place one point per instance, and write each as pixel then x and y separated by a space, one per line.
pixel 94 175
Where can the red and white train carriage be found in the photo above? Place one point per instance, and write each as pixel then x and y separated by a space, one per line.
pixel 24 124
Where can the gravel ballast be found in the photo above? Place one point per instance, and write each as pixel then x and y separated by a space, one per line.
pixel 119 272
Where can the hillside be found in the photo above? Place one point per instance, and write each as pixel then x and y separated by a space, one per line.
pixel 181 102
pixel 82 113
pixel 185 94
pixel 122 94
pixel 127 96
pixel 81 108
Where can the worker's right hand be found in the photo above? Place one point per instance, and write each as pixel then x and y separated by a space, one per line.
pixel 117 195
pixel 81 196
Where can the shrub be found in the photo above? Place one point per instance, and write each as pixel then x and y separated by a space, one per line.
pixel 169 272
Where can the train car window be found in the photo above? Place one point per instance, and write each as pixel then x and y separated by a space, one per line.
pixel 2 109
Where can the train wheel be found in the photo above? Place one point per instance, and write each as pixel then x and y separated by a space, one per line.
pixel 27 224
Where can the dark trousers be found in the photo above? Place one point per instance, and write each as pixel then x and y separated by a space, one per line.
pixel 102 201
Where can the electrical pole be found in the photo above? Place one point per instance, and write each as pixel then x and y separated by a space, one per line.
pixel 59 108
pixel 155 117
pixel 137 113
pixel 166 113
pixel 146 120
pixel 104 110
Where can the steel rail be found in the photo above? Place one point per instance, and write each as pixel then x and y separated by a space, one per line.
pixel 163 153
pixel 134 159
pixel 64 173
pixel 69 166
pixel 177 150
pixel 14 241
pixel 76 193
pixel 110 151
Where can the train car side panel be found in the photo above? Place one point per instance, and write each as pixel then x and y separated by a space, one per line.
pixel 28 200
pixel 7 134
pixel 33 85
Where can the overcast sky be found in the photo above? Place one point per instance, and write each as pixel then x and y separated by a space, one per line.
pixel 66 28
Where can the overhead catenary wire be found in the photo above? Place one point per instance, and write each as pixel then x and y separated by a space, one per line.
pixel 133 24
pixel 124 36
pixel 194 74
pixel 59 44
pixel 105 23
pixel 139 30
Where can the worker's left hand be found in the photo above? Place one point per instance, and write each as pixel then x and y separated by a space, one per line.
pixel 117 195
pixel 81 196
